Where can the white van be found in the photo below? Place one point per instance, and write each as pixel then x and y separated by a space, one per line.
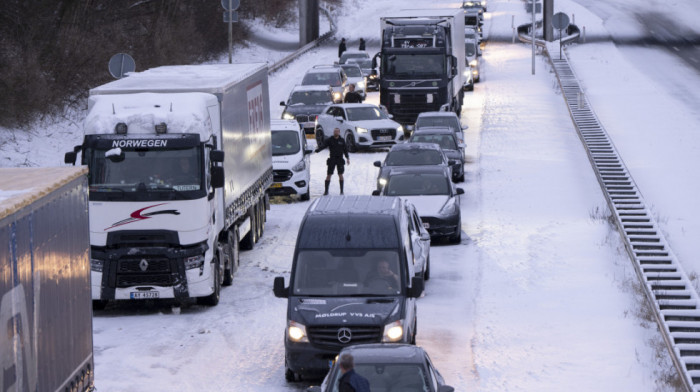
pixel 290 160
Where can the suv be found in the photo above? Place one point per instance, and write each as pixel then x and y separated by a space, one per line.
pixel 305 103
pixel 352 54
pixel 330 75
pixel 290 160
pixel 362 125
pixel 352 280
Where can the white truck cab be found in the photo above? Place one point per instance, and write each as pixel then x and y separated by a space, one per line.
pixel 290 160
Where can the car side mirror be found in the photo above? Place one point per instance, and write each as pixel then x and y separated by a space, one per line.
pixel 70 158
pixel 378 163
pixel 339 119
pixel 451 162
pixel 462 145
pixel 425 237
pixel 216 156
pixel 375 192
pixel 308 151
pixel 460 191
pixel 417 287
pixel 279 289
pixel 444 388
pixel 316 388
pixel 464 128
pixel 390 115
pixel 217 177
pixel 282 103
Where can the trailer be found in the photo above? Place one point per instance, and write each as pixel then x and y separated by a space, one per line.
pixel 45 307
pixel 180 161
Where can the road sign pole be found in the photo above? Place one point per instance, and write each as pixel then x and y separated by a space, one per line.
pixel 559 44
pixel 533 37
pixel 230 31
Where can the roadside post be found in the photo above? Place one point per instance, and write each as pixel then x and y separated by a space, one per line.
pixel 230 16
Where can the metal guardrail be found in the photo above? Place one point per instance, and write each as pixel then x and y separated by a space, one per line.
pixel 669 291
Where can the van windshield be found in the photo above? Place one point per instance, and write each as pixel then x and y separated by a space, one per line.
pixel 347 272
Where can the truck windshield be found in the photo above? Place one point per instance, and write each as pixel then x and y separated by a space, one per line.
pixel 345 273
pixel 365 113
pixel 414 65
pixel 417 185
pixel 145 174
pixel 310 98
pixel 285 142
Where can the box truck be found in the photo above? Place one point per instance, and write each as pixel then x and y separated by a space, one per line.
pixel 422 62
pixel 45 307
pixel 180 161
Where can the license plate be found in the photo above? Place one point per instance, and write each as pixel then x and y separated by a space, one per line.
pixel 384 138
pixel 144 294
pixel 426 225
pixel 276 185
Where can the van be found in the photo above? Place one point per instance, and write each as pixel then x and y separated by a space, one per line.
pixel 290 160
pixel 352 281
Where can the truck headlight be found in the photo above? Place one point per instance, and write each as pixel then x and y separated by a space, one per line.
pixel 288 116
pixel 393 332
pixel 194 262
pixel 97 265
pixel 361 130
pixel 296 332
pixel 299 166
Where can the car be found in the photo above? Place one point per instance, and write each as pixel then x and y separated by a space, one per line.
pixel 290 160
pixel 442 119
pixel 471 6
pixel 369 73
pixel 362 125
pixel 389 367
pixel 435 197
pixel 410 154
pixel 305 103
pixel 471 50
pixel 468 80
pixel 472 33
pixel 352 280
pixel 352 54
pixel 330 75
pixel 446 139
pixel 356 77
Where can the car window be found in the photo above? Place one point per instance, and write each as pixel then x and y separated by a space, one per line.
pixel 365 113
pixel 439 121
pixel 446 141
pixel 407 377
pixel 413 157
pixel 353 72
pixel 310 97
pixel 285 142
pixel 417 185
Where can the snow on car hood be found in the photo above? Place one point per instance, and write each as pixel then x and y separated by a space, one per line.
pixel 341 310
pixel 374 124
pixel 427 205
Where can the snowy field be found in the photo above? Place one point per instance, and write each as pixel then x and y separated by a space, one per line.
pixel 538 296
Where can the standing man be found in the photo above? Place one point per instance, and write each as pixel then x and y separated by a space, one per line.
pixel 337 148
pixel 352 96
pixel 351 381
pixel 341 48
pixel 362 44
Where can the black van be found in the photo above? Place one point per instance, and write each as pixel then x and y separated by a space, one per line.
pixel 352 281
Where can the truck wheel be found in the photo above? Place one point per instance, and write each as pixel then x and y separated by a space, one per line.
pixel 263 218
pixel 232 248
pixel 350 142
pixel 98 304
pixel 320 137
pixel 213 298
pixel 249 240
pixel 259 219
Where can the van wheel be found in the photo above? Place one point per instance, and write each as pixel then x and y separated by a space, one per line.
pixel 249 240
pixel 350 142
pixel 320 137
pixel 426 274
pixel 306 196
pixel 289 375
pixel 213 298
pixel 232 248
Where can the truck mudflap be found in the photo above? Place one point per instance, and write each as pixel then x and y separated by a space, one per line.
pixel 147 270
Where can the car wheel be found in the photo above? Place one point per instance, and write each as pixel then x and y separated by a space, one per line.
pixel 350 141
pixel 320 137
pixel 457 238
pixel 426 274
pixel 461 178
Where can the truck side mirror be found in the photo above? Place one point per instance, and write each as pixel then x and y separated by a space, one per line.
pixel 279 289
pixel 217 177
pixel 216 156
pixel 378 163
pixel 70 158
pixel 417 287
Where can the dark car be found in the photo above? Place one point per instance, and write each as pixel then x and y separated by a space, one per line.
pixel 436 199
pixel 390 367
pixel 305 103
pixel 446 139
pixel 353 280
pixel 410 154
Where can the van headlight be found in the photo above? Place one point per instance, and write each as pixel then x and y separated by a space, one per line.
pixel 393 332
pixel 299 166
pixel 296 332
pixel 194 262
pixel 288 116
pixel 361 130
pixel 450 208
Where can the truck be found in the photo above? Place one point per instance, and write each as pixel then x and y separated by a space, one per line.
pixel 45 302
pixel 422 63
pixel 180 160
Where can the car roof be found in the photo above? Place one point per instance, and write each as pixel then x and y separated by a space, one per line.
pixel 385 352
pixel 355 205
pixel 284 125
pixel 438 114
pixel 420 169
pixel 433 130
pixel 356 105
pixel 329 69
pixel 350 65
pixel 415 146
pixel 312 87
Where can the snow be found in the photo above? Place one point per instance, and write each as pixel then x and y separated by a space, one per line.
pixel 113 152
pixel 539 295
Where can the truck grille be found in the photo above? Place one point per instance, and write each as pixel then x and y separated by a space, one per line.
pixel 383 132
pixel 139 280
pixel 327 336
pixel 411 105
pixel 281 175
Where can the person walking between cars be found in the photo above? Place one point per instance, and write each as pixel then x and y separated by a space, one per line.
pixel 351 381
pixel 342 47
pixel 352 96
pixel 362 44
pixel 337 149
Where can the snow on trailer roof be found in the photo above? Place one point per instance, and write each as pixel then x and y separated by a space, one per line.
pixel 24 185
pixel 212 78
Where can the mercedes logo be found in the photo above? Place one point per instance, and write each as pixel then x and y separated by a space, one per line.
pixel 143 265
pixel 344 335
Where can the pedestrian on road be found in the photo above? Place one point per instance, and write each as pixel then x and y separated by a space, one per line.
pixel 337 149
pixel 342 48
pixel 352 96
pixel 351 381
pixel 362 44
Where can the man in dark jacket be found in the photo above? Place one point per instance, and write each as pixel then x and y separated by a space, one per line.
pixel 352 96
pixel 362 44
pixel 341 48
pixel 338 149
pixel 351 381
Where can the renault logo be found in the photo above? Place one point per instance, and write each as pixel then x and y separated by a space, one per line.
pixel 344 335
pixel 143 265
